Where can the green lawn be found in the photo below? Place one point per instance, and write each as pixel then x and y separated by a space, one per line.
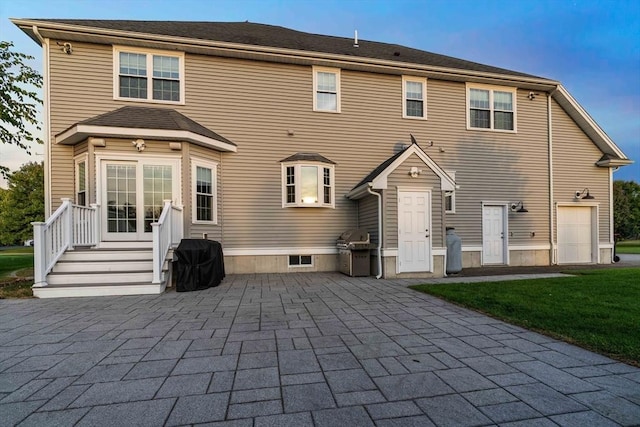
pixel 596 309
pixel 628 247
pixel 15 264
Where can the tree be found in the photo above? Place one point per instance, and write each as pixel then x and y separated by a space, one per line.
pixel 22 204
pixel 18 101
pixel 626 209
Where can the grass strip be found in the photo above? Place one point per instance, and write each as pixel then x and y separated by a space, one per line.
pixel 596 309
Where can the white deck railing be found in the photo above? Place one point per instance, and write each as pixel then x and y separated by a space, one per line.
pixel 70 225
pixel 167 232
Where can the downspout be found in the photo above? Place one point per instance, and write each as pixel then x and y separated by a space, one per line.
pixel 379 229
pixel 612 237
pixel 551 221
pixel 45 107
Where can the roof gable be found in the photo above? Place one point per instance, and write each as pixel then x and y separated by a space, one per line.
pixel 377 179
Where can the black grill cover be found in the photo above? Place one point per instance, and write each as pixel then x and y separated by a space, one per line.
pixel 200 264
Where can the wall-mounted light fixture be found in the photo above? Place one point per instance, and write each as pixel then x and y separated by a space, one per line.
pixel 66 47
pixel 414 172
pixel 532 96
pixel 584 195
pixel 518 207
pixel 139 144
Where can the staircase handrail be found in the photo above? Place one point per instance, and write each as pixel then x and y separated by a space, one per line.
pixel 165 231
pixel 50 239
pixel 70 225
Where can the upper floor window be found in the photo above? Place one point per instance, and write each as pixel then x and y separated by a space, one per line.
pixel 491 108
pixel 148 75
pixel 326 89
pixel 308 181
pixel 414 97
pixel 203 187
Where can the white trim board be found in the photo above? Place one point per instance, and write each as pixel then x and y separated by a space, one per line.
pixel 327 250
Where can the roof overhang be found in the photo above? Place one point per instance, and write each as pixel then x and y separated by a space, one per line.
pixel 80 132
pixel 380 182
pixel 56 30
pixel 613 163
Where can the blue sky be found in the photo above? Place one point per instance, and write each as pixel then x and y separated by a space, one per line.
pixel 591 46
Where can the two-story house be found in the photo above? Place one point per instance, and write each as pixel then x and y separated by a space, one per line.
pixel 274 142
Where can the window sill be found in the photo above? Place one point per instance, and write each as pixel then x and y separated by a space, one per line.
pixel 309 206
pixel 326 111
pixel 149 101
pixel 415 118
pixel 491 130
pixel 204 222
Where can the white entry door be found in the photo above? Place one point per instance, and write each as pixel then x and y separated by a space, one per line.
pixel 493 234
pixel 575 234
pixel 414 231
pixel 133 194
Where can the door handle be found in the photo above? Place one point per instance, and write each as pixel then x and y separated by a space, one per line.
pixel 426 231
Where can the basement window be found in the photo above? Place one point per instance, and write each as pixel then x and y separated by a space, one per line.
pixel 300 261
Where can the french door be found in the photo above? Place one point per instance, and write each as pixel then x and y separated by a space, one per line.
pixel 133 195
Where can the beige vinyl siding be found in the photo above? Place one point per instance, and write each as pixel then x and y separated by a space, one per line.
pixel 426 180
pixel 492 166
pixel 80 87
pixel 574 158
pixel 368 216
pixel 255 104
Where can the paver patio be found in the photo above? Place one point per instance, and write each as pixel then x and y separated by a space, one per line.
pixel 296 350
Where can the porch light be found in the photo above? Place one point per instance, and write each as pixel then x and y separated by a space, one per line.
pixel 518 207
pixel 414 172
pixel 584 195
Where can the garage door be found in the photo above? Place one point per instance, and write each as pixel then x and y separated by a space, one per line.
pixel 575 235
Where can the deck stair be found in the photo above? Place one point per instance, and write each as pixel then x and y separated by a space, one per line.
pixel 104 271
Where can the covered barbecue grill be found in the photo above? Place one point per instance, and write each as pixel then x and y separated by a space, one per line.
pixel 353 252
pixel 200 264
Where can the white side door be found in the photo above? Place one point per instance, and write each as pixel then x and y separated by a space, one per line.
pixel 493 234
pixel 414 231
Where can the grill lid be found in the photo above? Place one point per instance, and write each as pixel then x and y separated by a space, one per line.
pixel 356 235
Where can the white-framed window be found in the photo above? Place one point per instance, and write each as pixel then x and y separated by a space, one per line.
pixel 450 196
pixel 300 261
pixel 326 89
pixel 81 180
pixel 204 205
pixel 308 184
pixel 414 97
pixel 148 75
pixel 491 108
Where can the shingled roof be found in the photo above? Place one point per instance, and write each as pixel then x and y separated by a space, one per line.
pixel 134 121
pixel 249 33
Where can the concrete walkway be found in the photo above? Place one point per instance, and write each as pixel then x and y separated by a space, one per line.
pixel 296 350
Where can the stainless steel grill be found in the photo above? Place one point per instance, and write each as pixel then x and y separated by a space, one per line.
pixel 353 248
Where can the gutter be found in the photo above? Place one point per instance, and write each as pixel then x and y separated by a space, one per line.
pixel 379 229
pixel 45 110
